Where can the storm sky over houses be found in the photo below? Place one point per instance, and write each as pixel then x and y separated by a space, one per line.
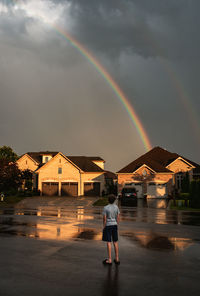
pixel 52 98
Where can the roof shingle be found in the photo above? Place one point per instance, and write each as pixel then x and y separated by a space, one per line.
pixel 157 159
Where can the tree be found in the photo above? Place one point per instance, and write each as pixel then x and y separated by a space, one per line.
pixel 10 175
pixel 185 186
pixel 6 153
pixel 195 193
pixel 27 177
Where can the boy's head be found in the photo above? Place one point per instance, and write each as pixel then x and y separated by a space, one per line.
pixel 111 198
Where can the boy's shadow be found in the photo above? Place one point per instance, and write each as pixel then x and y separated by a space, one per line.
pixel 111 284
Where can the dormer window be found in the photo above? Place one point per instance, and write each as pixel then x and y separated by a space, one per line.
pixel 46 159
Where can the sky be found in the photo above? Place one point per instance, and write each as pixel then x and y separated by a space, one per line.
pixel 52 98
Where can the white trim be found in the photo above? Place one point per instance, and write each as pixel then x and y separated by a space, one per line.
pixel 56 181
pixel 146 166
pixel 65 157
pixel 69 181
pixel 26 154
pixel 92 182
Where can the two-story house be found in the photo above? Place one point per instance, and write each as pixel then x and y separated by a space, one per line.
pixel 57 174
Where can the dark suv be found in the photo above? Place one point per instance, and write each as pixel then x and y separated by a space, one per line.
pixel 128 196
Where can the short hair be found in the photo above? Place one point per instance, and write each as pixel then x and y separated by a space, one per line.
pixel 111 198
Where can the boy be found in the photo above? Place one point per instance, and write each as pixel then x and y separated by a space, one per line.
pixel 110 232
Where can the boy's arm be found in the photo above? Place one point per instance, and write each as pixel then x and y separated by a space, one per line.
pixel 118 218
pixel 104 221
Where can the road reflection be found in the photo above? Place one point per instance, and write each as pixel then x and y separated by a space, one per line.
pixel 157 241
pixel 110 285
pixel 137 214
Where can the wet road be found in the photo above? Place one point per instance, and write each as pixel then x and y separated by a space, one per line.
pixel 53 247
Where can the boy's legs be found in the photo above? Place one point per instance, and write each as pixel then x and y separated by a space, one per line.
pixel 116 251
pixel 109 251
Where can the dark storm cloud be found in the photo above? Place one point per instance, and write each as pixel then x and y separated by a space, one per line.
pixel 52 98
pixel 148 28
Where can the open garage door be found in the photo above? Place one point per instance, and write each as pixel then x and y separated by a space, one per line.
pixel 50 188
pixel 92 189
pixel 69 189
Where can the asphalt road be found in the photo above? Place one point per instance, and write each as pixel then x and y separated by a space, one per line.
pixel 54 247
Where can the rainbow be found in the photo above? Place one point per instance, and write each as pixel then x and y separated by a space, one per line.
pixel 176 82
pixel 102 71
pixel 121 96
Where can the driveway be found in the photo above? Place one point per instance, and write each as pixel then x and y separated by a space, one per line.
pixel 56 202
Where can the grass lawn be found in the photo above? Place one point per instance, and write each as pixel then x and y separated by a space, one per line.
pixel 103 201
pixel 11 200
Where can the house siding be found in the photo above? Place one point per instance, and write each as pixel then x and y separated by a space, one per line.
pixel 26 163
pixel 93 177
pixel 49 173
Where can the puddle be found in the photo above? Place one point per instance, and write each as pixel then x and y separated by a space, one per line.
pixel 155 241
pixel 44 228
pixel 88 234
pixel 82 216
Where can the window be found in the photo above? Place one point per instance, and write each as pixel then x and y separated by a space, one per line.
pixel 59 170
pixel 46 159
pixel 59 160
pixel 179 179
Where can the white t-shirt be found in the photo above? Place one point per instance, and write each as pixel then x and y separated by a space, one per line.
pixel 111 211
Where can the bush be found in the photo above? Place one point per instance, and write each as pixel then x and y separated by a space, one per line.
pixel 10 192
pixel 195 194
pixel 184 195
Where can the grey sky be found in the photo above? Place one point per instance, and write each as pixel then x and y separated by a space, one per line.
pixel 52 98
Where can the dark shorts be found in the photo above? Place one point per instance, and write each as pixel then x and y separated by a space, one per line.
pixel 110 233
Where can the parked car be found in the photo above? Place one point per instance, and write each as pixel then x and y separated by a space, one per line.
pixel 128 196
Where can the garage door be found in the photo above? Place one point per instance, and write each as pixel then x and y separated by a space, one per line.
pixel 156 190
pixel 69 189
pixel 92 189
pixel 50 188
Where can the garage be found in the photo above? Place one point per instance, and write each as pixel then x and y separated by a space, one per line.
pixel 69 189
pixel 92 189
pixel 156 190
pixel 50 188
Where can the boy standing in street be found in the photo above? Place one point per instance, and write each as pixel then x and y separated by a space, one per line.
pixel 110 232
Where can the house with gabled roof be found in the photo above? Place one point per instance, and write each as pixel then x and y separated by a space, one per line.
pixel 57 174
pixel 157 173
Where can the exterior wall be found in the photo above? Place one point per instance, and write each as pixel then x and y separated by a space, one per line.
pixel 49 173
pixel 25 163
pixel 92 177
pixel 179 166
pixel 44 156
pixel 99 163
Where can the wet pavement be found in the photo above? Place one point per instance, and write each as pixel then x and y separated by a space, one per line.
pixel 54 247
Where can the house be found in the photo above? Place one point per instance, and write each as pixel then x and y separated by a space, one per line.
pixel 57 174
pixel 157 173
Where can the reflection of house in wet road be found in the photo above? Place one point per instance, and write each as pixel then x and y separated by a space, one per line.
pixel 157 241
